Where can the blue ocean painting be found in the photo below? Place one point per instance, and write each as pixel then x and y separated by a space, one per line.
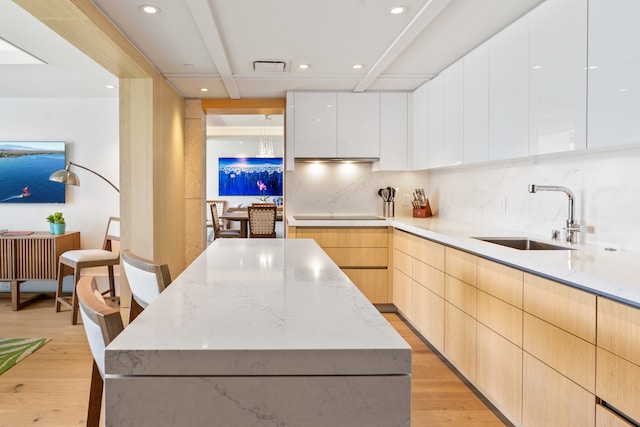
pixel 238 176
pixel 24 172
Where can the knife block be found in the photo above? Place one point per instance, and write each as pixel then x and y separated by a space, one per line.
pixel 423 212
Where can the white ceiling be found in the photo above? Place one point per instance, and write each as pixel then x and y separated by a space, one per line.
pixel 220 39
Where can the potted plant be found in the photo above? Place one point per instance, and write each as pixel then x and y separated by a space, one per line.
pixel 56 223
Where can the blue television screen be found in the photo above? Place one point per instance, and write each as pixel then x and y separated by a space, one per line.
pixel 25 167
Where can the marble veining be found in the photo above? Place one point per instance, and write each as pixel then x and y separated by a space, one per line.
pixel 260 307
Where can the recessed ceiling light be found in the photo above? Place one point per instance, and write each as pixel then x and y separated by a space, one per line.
pixel 204 89
pixel 398 10
pixel 111 86
pixel 187 66
pixel 358 66
pixel 150 9
pixel 304 66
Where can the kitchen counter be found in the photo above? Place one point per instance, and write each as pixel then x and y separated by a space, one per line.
pixel 259 332
pixel 614 274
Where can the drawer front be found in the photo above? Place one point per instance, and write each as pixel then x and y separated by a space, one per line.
pixel 403 293
pixel 619 329
pixel 551 399
pixel 402 262
pixel 358 257
pixel 606 418
pixel 429 252
pixel 402 241
pixel 429 277
pixel 460 295
pixel 563 306
pixel 501 317
pixel 346 237
pixel 371 282
pixel 428 315
pixel 617 383
pixel 460 339
pixel 502 282
pixel 460 265
pixel 500 371
pixel 564 352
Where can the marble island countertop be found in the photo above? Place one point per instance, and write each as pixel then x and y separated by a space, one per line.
pixel 615 274
pixel 260 307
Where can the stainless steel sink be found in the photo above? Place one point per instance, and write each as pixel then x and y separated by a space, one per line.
pixel 523 244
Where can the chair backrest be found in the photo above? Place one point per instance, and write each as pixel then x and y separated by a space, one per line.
pixel 101 322
pixel 215 219
pixel 262 221
pixel 263 204
pixel 221 206
pixel 146 280
pixel 112 234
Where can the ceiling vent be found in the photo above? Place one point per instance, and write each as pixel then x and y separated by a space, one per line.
pixel 269 66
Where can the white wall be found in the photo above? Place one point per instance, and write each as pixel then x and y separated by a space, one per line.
pixel 91 130
pixel 605 184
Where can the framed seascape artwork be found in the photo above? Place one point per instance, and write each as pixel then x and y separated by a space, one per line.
pixel 260 177
pixel 25 168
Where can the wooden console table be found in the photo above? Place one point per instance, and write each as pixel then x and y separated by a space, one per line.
pixel 32 257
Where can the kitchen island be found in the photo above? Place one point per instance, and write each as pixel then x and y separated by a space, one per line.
pixel 262 332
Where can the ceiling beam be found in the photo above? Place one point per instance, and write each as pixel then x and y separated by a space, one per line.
pixel 206 23
pixel 243 106
pixel 423 18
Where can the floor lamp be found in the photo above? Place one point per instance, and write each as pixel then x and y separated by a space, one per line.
pixel 66 176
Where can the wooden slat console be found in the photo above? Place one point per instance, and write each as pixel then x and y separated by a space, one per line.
pixel 32 257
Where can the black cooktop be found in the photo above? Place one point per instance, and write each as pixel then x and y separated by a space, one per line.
pixel 337 217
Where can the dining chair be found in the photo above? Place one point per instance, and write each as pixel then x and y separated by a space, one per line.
pixel 263 204
pixel 102 324
pixel 146 280
pixel 217 230
pixel 262 221
pixel 78 259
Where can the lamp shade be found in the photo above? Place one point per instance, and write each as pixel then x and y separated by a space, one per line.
pixel 65 176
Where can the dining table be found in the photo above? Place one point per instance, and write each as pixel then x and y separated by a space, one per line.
pixel 242 216
pixel 263 333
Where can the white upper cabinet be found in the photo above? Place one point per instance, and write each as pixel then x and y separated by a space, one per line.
pixel 418 129
pixel 453 107
pixel 315 125
pixel 359 125
pixel 336 125
pixel 476 105
pixel 558 77
pixel 509 92
pixel 393 131
pixel 435 114
pixel 614 73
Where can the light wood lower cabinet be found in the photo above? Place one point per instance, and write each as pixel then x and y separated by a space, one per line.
pixel 372 283
pixel 460 340
pixel 361 252
pixel 606 418
pixel 545 353
pixel 428 315
pixel 500 371
pixel 551 399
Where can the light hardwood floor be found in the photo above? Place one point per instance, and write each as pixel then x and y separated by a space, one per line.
pixel 51 386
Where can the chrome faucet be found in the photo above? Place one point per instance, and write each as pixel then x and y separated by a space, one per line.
pixel 572 229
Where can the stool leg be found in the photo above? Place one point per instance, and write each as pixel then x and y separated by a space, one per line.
pixel 59 288
pixel 112 282
pixel 74 297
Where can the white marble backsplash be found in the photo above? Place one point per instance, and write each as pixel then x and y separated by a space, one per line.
pixel 605 184
pixel 341 188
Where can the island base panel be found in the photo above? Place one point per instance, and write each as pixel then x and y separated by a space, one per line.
pixel 259 401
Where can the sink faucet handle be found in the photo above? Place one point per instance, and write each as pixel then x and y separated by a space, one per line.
pixel 572 230
pixel 555 234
